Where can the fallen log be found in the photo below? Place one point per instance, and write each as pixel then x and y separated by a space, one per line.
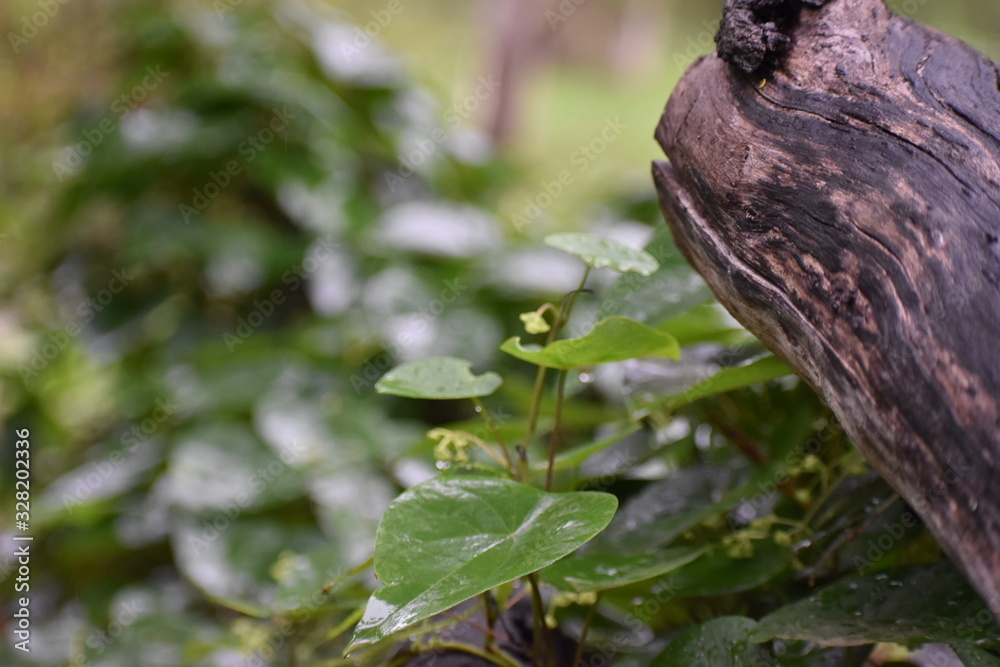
pixel 835 177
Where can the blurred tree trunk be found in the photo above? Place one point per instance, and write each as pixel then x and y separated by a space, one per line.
pixel 520 33
pixel 525 35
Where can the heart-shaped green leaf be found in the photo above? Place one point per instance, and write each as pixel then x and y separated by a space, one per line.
pixel 910 606
pixel 437 378
pixel 706 323
pixel 717 573
pixel 667 294
pixel 728 379
pixel 613 339
pixel 589 573
pixel 577 455
pixel 973 656
pixel 604 253
pixel 721 641
pixel 656 515
pixel 447 540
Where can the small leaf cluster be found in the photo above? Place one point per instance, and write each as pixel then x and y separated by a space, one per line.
pixel 753 513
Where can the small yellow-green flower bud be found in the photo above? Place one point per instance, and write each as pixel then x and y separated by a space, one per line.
pixel 534 323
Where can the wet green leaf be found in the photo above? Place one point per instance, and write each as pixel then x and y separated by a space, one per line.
pixel 654 517
pixel 447 540
pixel 587 573
pixel 578 455
pixel 973 656
pixel 604 253
pixel 912 606
pixel 613 339
pixel 231 558
pixel 707 323
pixel 437 378
pixel 721 641
pixel 717 573
pixel 224 463
pixel 670 292
pixel 728 379
pixel 300 577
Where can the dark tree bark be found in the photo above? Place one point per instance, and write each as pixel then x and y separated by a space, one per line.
pixel 840 192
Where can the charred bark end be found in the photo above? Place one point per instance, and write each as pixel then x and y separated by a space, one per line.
pixel 847 212
pixel 754 34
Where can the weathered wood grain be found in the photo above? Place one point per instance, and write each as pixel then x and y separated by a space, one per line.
pixel 845 206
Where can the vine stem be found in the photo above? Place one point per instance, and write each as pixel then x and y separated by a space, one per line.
pixel 827 492
pixel 543 648
pixel 544 656
pixel 353 572
pixel 586 629
pixel 497 658
pixel 536 402
pixel 562 317
pixel 489 639
pixel 565 312
pixel 554 439
pixel 494 429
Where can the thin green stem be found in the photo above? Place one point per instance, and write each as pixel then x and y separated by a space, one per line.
pixel 561 318
pixel 544 651
pixel 353 572
pixel 538 618
pixel 567 310
pixel 583 633
pixel 536 403
pixel 497 658
pixel 493 455
pixel 494 429
pixel 821 500
pixel 349 622
pixel 522 464
pixel 491 619
pixel 554 439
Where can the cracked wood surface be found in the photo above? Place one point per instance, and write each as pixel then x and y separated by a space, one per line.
pixel 846 209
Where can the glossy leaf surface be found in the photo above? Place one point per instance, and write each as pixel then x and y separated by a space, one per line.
pixel 913 606
pixel 447 540
pixel 578 455
pixel 586 573
pixel 717 573
pixel 668 293
pixel 653 518
pixel 604 253
pixel 973 656
pixel 613 339
pixel 721 641
pixel 437 378
pixel 728 379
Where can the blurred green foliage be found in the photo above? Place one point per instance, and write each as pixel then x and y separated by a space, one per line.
pixel 218 229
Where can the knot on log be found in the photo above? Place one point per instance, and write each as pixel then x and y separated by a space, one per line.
pixel 753 32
